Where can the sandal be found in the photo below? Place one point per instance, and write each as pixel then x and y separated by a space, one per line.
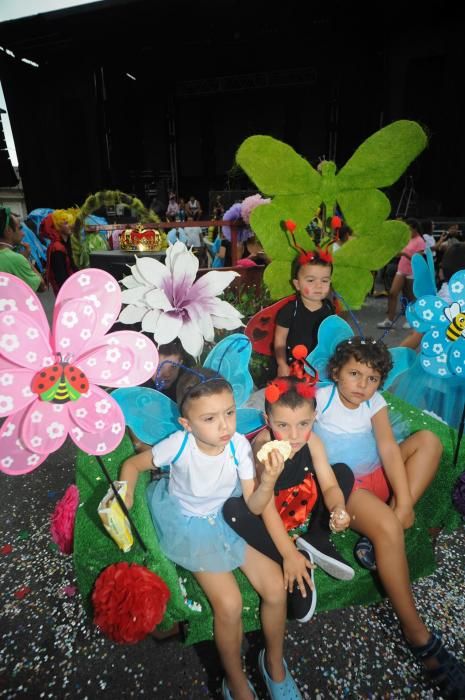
pixel 364 552
pixel 449 675
pixel 227 693
pixel 287 690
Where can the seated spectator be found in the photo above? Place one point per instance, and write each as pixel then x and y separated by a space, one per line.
pixel 172 210
pixel 193 208
pixel 11 261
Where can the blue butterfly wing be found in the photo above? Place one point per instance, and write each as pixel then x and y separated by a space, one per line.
pixel 429 310
pixel 249 420
pixel 231 358
pixel 424 278
pixel 456 357
pixel 331 332
pixel 457 288
pixel 435 350
pixel 416 323
pixel 403 359
pixel 151 415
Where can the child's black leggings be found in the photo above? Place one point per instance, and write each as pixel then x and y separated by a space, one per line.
pixel 252 528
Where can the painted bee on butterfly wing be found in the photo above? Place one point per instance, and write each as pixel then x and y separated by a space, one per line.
pixel 456 327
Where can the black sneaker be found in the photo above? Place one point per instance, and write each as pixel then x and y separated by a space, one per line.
pixel 300 608
pixel 326 556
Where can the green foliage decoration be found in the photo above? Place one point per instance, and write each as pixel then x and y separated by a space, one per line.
pixel 298 191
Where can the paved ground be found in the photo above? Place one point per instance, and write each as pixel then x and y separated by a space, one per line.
pixel 49 648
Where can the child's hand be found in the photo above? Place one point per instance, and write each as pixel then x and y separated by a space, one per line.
pixel 295 569
pixel 339 519
pixel 272 468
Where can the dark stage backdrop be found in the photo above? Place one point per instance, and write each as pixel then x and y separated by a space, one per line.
pixel 322 85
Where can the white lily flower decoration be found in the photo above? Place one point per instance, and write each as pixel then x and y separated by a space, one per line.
pixel 169 302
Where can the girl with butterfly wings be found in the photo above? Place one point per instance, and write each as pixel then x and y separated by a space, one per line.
pixel 390 478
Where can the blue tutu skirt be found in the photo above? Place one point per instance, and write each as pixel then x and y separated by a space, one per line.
pixel 198 543
pixel 358 450
pixel 443 397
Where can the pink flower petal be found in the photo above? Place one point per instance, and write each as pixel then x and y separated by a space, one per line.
pixel 98 287
pixel 23 341
pixel 45 427
pixel 124 358
pixel 106 440
pixel 16 295
pixel 74 327
pixel 94 412
pixel 15 458
pixel 15 388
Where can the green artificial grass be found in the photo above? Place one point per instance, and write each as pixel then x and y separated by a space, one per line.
pixel 94 550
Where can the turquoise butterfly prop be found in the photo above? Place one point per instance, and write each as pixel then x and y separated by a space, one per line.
pixel 152 416
pixel 442 349
pixel 333 331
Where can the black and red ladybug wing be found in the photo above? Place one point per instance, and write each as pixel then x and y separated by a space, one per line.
pixel 46 378
pixel 76 378
pixel 260 328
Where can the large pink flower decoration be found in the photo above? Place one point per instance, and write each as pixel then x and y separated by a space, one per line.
pixel 48 380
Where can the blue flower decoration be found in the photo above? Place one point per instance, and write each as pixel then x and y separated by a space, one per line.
pixel 443 324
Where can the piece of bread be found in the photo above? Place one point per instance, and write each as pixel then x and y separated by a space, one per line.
pixel 283 446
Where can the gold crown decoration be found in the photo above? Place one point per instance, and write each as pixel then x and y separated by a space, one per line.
pixel 140 238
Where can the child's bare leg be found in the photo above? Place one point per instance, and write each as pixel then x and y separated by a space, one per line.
pixel 421 453
pixel 225 598
pixel 376 520
pixel 266 577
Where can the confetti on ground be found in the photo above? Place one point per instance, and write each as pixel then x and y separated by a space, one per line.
pixel 50 649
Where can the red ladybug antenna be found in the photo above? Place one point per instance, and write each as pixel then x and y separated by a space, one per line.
pixel 307 256
pixel 299 366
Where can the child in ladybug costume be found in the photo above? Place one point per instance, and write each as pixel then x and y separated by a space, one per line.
pixel 309 498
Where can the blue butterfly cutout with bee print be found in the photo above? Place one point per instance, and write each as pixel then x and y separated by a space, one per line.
pixel 152 416
pixel 443 324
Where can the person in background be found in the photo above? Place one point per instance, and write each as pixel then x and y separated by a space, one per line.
pixel 57 226
pixel 344 235
pixel 403 280
pixel 11 261
pixel 193 208
pixel 172 210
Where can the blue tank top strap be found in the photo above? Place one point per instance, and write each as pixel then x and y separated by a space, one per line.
pixel 181 449
pixel 331 397
pixel 184 442
pixel 233 452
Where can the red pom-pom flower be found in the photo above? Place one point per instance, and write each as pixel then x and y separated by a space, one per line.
pixel 290 225
pixel 129 602
pixel 62 520
pixel 275 389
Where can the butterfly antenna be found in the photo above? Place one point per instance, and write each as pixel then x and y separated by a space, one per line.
pixel 352 315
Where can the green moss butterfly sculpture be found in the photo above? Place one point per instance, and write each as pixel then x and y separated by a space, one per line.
pixel 298 190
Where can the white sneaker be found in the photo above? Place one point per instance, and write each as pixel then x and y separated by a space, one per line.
pixel 406 325
pixel 385 324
